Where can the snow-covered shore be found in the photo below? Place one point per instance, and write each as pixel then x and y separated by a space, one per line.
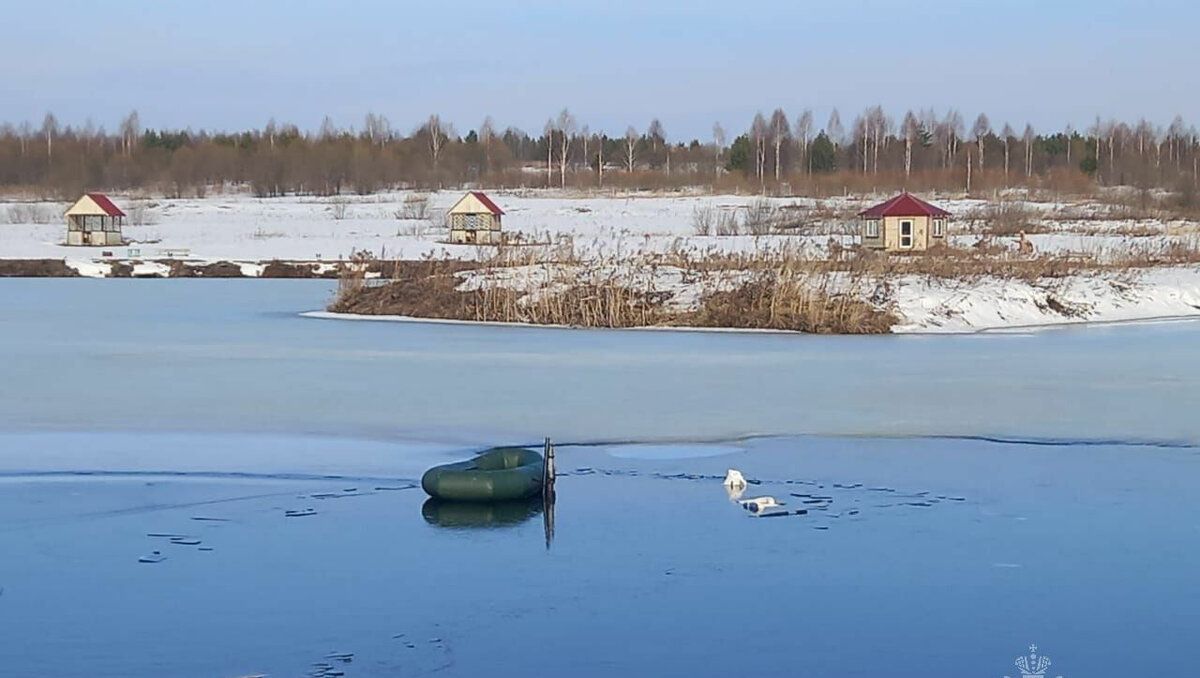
pixel 938 306
pixel 945 307
pixel 317 233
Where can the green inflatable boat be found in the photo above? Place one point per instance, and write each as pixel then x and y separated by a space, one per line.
pixel 499 474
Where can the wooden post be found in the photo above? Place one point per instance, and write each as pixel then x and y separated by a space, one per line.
pixel 548 471
pixel 548 474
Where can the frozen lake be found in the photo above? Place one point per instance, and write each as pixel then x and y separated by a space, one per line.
pixel 967 496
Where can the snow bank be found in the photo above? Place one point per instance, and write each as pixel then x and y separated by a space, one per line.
pixel 991 304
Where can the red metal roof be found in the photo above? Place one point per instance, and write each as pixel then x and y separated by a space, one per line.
pixel 904 205
pixel 105 204
pixel 487 202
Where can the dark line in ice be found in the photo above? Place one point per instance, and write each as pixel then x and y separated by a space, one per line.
pixel 997 439
pixel 1071 442
pixel 216 475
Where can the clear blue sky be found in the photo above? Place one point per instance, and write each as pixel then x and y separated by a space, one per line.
pixel 220 64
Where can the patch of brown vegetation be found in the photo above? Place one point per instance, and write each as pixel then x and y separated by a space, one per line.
pixel 219 269
pixel 36 268
pixel 292 269
pixel 763 304
pixel 583 294
pixel 848 292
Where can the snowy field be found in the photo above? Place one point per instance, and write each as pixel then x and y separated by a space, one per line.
pixel 240 227
pixel 249 231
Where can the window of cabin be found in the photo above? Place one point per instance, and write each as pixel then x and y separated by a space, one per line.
pixel 939 228
pixel 471 222
pixel 906 234
pixel 871 229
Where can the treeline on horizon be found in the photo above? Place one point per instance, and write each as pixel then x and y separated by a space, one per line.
pixel 774 155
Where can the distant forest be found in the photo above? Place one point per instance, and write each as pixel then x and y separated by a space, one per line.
pixel 776 154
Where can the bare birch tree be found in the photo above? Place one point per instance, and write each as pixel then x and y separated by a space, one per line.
pixel 780 133
pixel 834 129
pixel 1008 134
pixel 49 130
pixel 657 136
pixel 376 128
pixel 910 128
pixel 980 130
pixel 879 125
pixel 487 137
pixel 437 134
pixel 600 139
pixel 328 130
pixel 953 130
pixel 565 124
pixel 862 136
pixel 718 146
pixel 130 129
pixel 1028 138
pixel 548 130
pixel 1176 133
pixel 758 135
pixel 631 144
pixel 25 133
pixel 804 129
pixel 585 137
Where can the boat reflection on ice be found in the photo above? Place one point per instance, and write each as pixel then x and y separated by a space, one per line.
pixel 465 514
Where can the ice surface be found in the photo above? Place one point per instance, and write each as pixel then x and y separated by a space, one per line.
pixel 234 355
pixel 996 544
pixel 970 495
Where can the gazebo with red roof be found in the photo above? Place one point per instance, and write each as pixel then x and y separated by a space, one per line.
pixel 903 224
pixel 475 220
pixel 94 221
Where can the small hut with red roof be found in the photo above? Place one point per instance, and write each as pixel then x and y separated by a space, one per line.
pixel 475 220
pixel 903 224
pixel 94 221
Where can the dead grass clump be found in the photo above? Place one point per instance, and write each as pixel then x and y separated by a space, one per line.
pixel 582 305
pixel 770 303
pixel 415 207
pixel 759 218
pixel 435 290
pixel 338 207
pixel 30 213
pixel 1004 218
pixel 417 289
pixel 762 217
pixel 704 220
pixel 141 213
pixel 1064 308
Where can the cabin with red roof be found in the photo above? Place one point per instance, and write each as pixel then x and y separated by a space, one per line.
pixel 475 220
pixel 903 224
pixel 94 221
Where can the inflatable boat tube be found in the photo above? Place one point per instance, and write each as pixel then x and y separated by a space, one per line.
pixel 499 474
